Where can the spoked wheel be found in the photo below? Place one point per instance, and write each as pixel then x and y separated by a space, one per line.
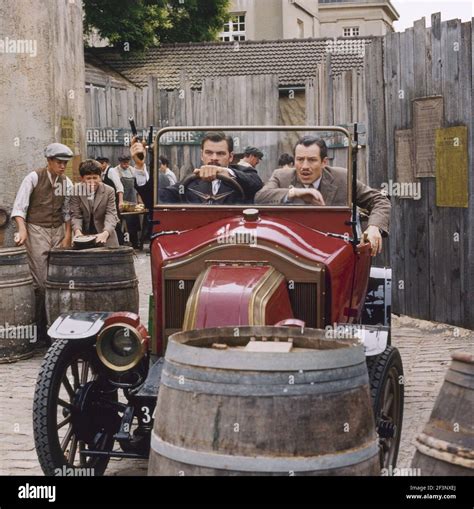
pixel 73 411
pixel 387 391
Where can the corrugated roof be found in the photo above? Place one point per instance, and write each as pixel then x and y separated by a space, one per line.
pixel 292 60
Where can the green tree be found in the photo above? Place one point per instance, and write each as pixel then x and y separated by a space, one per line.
pixel 144 23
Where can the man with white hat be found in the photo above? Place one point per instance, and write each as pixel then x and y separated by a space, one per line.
pixel 41 212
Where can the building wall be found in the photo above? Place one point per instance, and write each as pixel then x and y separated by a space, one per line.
pixel 37 91
pixel 375 19
pixel 277 19
pixel 305 11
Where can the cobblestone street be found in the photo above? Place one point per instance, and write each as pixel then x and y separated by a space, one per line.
pixel 425 348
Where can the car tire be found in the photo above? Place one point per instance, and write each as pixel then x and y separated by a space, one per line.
pixel 59 358
pixel 387 368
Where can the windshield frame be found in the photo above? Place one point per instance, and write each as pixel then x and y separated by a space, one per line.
pixel 258 128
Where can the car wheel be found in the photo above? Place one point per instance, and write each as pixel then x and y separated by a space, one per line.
pixel 73 411
pixel 387 392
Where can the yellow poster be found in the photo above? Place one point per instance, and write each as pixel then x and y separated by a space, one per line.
pixel 452 167
pixel 67 138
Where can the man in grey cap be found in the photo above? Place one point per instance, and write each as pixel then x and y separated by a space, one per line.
pixel 41 212
pixel 252 157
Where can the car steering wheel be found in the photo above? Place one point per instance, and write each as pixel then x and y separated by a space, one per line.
pixel 210 198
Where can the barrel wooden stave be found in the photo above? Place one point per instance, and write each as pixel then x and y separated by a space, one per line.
pixel 446 446
pixel 17 306
pixel 295 422
pixel 94 280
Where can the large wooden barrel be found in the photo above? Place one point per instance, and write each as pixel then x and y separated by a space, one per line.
pixel 446 445
pixel 17 306
pixel 99 279
pixel 229 411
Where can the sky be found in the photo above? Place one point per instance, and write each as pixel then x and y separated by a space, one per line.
pixel 411 10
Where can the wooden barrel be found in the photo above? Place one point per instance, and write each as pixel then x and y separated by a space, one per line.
pixel 446 445
pixel 225 410
pixel 100 279
pixel 17 306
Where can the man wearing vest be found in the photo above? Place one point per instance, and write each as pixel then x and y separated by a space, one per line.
pixel 41 212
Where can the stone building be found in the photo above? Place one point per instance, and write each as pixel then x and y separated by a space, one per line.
pixel 41 89
pixel 299 19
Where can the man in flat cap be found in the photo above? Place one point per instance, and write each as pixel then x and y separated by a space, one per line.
pixel 252 157
pixel 131 178
pixel 41 212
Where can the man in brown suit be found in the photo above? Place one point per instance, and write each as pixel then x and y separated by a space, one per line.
pixel 93 209
pixel 314 183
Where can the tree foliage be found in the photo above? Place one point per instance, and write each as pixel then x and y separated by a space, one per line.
pixel 143 23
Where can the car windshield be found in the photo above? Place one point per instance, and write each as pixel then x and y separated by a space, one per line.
pixel 275 167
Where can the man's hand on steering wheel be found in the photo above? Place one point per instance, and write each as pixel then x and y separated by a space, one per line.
pixel 209 173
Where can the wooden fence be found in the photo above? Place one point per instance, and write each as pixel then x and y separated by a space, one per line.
pixel 431 247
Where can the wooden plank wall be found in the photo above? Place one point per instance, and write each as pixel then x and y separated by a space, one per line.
pixel 237 100
pixel 338 99
pixel 433 271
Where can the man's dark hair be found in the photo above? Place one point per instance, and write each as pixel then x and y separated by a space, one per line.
pixel 164 161
pixel 217 137
pixel 307 141
pixel 286 159
pixel 90 167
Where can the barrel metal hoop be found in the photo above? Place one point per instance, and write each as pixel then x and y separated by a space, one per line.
pixel 300 377
pixel 130 283
pixel 256 361
pixel 445 451
pixel 200 387
pixel 460 379
pixel 18 282
pixel 262 463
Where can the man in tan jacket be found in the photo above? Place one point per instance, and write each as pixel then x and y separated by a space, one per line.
pixel 93 209
pixel 312 182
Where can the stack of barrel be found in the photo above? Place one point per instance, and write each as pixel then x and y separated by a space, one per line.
pixel 17 306
pixel 225 409
pixel 446 445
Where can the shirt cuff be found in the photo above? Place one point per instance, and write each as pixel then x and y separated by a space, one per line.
pixel 18 213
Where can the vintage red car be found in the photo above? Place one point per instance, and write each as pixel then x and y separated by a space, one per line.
pixel 212 266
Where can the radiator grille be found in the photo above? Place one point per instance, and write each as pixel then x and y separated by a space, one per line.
pixel 176 297
pixel 304 301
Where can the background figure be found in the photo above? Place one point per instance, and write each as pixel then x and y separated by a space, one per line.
pixel 130 195
pixel 165 170
pixel 252 157
pixel 111 177
pixel 286 162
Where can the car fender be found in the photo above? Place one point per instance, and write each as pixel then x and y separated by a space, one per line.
pixel 77 326
pixel 374 339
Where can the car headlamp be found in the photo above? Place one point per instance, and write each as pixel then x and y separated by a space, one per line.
pixel 120 347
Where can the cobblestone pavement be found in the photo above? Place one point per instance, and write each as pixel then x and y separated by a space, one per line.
pixel 425 348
